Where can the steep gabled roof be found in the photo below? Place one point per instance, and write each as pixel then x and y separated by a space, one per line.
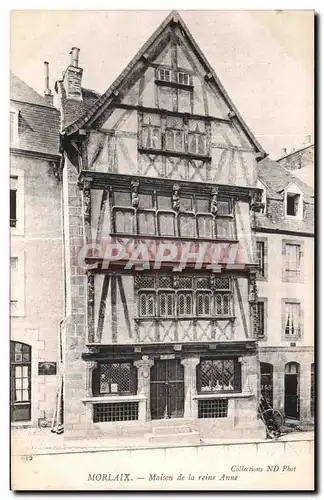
pixel 94 111
pixel 20 91
pixel 39 122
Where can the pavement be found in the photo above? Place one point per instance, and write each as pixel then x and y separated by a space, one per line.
pixel 43 441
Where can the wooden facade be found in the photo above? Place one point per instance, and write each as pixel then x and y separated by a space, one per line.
pixel 163 158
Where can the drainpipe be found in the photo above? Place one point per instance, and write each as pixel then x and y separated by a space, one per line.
pixel 57 420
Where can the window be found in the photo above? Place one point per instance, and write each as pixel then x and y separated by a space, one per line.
pixel 218 375
pixel 261 320
pixel 197 143
pixel 164 75
pixel 170 134
pixel 292 319
pixel 183 78
pixel 292 207
pixel 174 140
pixel 20 381
pixel 114 378
pixel 172 296
pixel 151 137
pixel 155 216
pixel 292 261
pixel 260 257
pixel 13 200
pixel 115 412
pixel 17 202
pixel 213 408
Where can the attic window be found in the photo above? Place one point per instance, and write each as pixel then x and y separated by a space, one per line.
pixel 183 78
pixel 293 202
pixel 164 75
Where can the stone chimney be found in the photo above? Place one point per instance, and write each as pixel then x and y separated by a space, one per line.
pixel 283 152
pixel 47 92
pixel 72 77
pixel 308 140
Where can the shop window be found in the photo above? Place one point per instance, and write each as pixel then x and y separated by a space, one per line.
pixel 218 375
pixel 114 378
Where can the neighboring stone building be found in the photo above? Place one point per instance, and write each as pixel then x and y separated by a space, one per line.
pixel 285 248
pixel 161 163
pixel 36 295
pixel 301 161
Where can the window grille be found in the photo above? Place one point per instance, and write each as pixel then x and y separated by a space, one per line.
pixel 181 296
pixel 166 303
pixel 147 304
pixel 292 260
pixel 144 281
pixel 185 304
pixel 116 378
pixel 203 283
pixel 216 375
pixel 213 408
pixel 115 412
pixel 292 319
pixel 222 283
pixel 203 304
pixel 165 282
pixel 185 282
pixel 223 304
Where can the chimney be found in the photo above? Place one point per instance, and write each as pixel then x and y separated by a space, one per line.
pixel 308 139
pixel 47 92
pixel 75 56
pixel 72 77
pixel 283 152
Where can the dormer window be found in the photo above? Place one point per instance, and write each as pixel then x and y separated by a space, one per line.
pixel 183 78
pixel 293 203
pixel 164 75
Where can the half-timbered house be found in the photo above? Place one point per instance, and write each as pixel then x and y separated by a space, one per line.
pixel 159 183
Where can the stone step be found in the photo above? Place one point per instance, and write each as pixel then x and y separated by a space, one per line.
pixel 186 437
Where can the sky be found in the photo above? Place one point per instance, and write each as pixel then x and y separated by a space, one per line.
pixel 263 58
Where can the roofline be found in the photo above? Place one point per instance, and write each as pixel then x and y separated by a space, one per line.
pixel 260 229
pixel 35 154
pixel 297 151
pixel 35 104
pixel 173 16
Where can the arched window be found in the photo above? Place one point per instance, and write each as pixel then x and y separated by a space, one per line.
pixel 20 381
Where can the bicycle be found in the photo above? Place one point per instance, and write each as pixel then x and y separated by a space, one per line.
pixel 273 420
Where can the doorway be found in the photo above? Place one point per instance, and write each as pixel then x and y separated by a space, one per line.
pixel 167 389
pixel 292 390
pixel 20 382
